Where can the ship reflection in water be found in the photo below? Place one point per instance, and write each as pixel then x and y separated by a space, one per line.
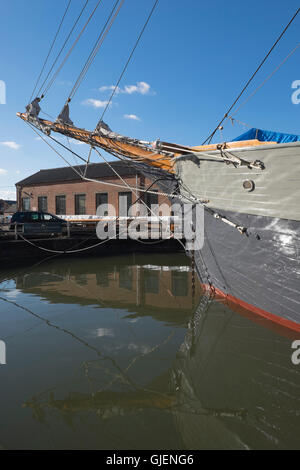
pixel 123 353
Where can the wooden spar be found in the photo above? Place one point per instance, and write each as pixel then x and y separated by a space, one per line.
pixel 183 150
pixel 126 149
pixel 162 157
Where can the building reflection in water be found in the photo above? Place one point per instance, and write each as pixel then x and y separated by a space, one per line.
pixel 225 382
pixel 230 387
pixel 157 289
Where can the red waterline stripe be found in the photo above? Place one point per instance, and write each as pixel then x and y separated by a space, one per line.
pixel 278 324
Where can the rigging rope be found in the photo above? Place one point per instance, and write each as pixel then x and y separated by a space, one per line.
pixel 74 158
pixel 50 50
pixel 264 82
pixel 61 50
pixel 91 179
pixel 191 198
pixel 61 252
pixel 126 184
pixel 71 49
pixel 96 48
pixel 209 138
pixel 96 181
pixel 128 60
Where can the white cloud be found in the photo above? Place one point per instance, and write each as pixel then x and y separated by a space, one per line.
pixel 38 138
pixel 2 171
pixel 76 142
pixel 11 145
pixel 13 293
pixel 100 332
pixel 131 116
pixel 110 88
pixel 139 348
pixel 95 103
pixel 142 88
pixel 8 194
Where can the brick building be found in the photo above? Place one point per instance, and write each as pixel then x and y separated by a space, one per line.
pixel 7 207
pixel 61 191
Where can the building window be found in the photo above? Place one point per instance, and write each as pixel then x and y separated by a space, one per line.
pixel 42 204
pixel 102 278
pixel 150 200
pixel 151 279
pixel 79 204
pixel 81 279
pixel 60 205
pixel 125 202
pixel 125 278
pixel 25 203
pixel 101 200
pixel 179 284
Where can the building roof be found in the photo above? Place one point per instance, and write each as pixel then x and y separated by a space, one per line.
pixel 7 201
pixel 65 174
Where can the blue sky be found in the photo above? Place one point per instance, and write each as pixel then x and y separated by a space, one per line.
pixel 192 61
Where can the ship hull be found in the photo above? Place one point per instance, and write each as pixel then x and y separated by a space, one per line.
pixel 259 272
pixel 260 268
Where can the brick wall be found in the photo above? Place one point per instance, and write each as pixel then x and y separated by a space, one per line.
pixel 70 189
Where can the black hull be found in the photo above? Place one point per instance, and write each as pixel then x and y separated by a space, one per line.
pixel 260 270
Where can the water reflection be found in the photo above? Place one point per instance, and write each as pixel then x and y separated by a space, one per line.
pixel 159 288
pixel 97 340
pixel 112 354
pixel 235 383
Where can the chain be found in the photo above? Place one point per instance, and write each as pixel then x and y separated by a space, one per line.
pixel 193 277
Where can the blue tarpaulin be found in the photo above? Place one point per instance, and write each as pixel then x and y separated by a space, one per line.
pixel 268 136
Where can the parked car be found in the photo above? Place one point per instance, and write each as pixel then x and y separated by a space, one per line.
pixel 37 223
